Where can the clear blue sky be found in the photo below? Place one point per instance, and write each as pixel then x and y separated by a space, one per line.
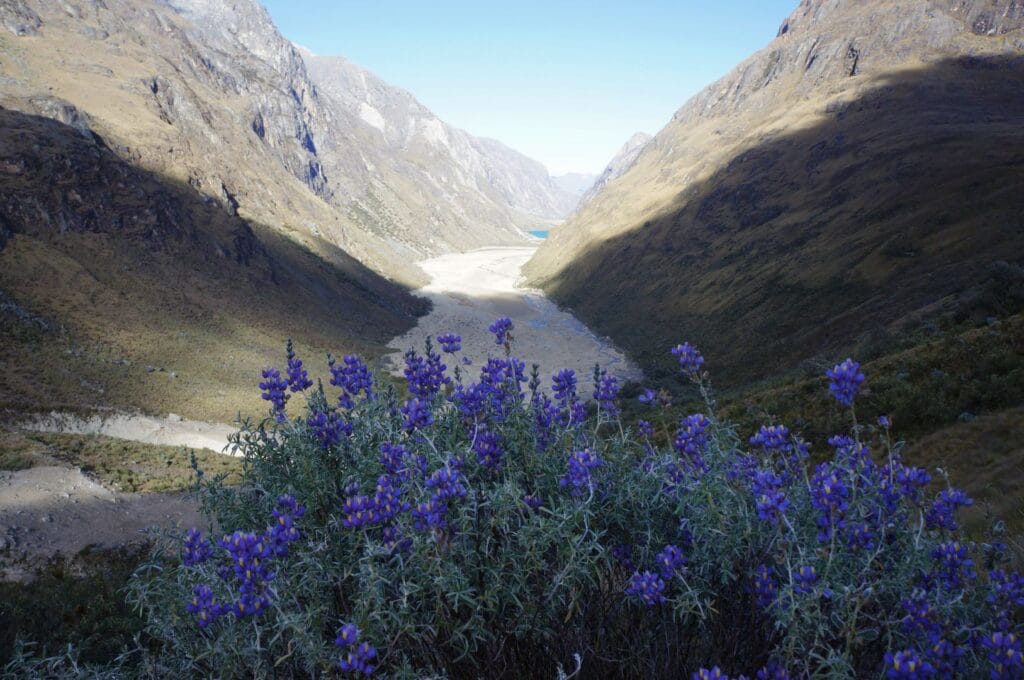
pixel 565 82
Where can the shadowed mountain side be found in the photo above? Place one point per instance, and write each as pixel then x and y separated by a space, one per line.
pixel 105 268
pixel 889 203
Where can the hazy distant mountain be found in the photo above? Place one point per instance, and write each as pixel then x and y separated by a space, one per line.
pixel 866 165
pixel 619 164
pixel 575 183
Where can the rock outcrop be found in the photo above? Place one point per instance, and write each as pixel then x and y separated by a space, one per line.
pixel 618 165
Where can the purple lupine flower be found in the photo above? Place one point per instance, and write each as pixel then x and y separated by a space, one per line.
pixel 772 438
pixel 910 481
pixel 773 671
pixel 358 655
pixel 606 392
pixel 250 560
pixel 502 329
pixel 942 514
pixel 578 477
pixel 692 435
pixel 353 377
pixel 670 561
pixel 906 664
pixel 804 579
pixel 648 587
pixel 714 673
pixel 424 375
pixel 563 385
pixel 196 549
pixel 358 658
pixel 644 428
pixel 488 449
pixel 771 501
pixel 946 657
pixel 328 427
pixel 1004 653
pixel 690 360
pixel 298 379
pixel 623 554
pixel 275 391
pixel 952 565
pixel 845 380
pixel 921 617
pixel 884 422
pixel 764 587
pixel 394 541
pixel 400 462
pixel 387 499
pixel 859 536
pixel 430 515
pixel 828 496
pixel 284 531
pixel 1008 588
pixel 203 604
pixel 359 511
pixel 417 414
pixel 473 401
pixel 532 502
pixel 450 343
pixel 648 397
pixel 446 483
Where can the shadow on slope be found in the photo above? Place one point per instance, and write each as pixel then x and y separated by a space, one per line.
pixel 120 288
pixel 888 206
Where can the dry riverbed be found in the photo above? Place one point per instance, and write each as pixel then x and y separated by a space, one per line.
pixel 470 290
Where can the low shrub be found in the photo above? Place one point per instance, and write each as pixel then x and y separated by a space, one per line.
pixel 490 528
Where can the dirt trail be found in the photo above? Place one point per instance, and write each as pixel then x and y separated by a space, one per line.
pixel 53 509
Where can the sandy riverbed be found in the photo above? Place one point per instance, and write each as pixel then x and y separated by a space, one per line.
pixel 470 290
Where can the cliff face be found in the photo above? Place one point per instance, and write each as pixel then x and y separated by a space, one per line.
pixel 866 164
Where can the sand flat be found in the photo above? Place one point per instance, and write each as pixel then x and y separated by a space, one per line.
pixel 470 290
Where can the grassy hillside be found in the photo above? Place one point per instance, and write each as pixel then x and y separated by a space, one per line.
pixel 121 288
pixel 897 203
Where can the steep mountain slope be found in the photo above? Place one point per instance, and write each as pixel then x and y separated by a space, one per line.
pixel 866 166
pixel 442 176
pixel 618 165
pixel 120 288
pixel 177 126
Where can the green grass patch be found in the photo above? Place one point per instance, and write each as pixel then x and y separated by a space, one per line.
pixel 138 468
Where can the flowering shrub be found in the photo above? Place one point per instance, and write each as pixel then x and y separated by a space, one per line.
pixel 486 528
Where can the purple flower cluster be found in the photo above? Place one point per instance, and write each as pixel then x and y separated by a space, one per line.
pixel 358 655
pixel 829 495
pixel 714 673
pixel 690 360
pixel 401 463
pixel 952 565
pixel 328 427
pixel 606 391
pixel 772 439
pixel 298 379
pixel 692 435
pixel 671 561
pixel 771 501
pixel 502 329
pixel 424 375
pixel 196 549
pixel 845 380
pixel 274 389
pixel 488 449
pixel 450 344
pixel 907 664
pixel 383 506
pixel 804 579
pixel 532 502
pixel 283 531
pixel 942 514
pixel 353 377
pixel 764 588
pixel 250 559
pixel 205 606
pixel 648 587
pixel 578 477
pixel 648 397
pixel 417 414
pixel 1004 653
